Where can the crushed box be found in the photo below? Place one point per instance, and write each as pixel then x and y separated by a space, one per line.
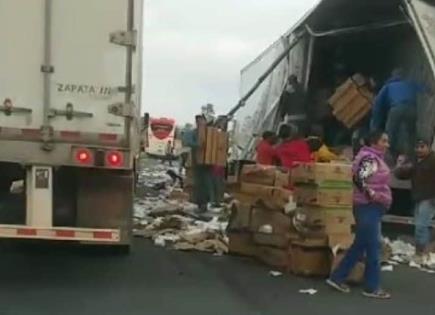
pixel 241 244
pixel 278 222
pixel 274 257
pixel 310 260
pixel 240 218
pixel 356 276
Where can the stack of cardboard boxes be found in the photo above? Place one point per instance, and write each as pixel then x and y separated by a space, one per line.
pixel 307 241
pixel 259 225
pixel 324 217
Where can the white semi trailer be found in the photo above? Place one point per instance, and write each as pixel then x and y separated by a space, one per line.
pixel 70 83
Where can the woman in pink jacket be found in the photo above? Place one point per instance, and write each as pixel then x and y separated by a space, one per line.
pixel 372 198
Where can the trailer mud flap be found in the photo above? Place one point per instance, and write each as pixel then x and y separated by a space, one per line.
pixel 105 200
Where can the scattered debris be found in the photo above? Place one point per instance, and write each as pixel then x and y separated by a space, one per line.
pixel 275 273
pixel 164 215
pixel 387 268
pixel 403 253
pixel 308 291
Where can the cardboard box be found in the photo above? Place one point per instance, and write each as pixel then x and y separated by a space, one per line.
pixel 273 240
pixel 279 222
pixel 246 199
pixel 282 179
pixel 273 197
pixel 356 276
pixel 274 257
pixel 323 196
pixel 240 218
pixel 310 261
pixel 331 174
pixel 352 101
pixel 259 191
pixel 241 244
pixel 281 197
pixel 213 146
pixel 202 141
pixel 258 174
pixel 335 242
pixel 319 221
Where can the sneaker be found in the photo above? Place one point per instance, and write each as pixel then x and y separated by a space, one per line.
pixel 341 287
pixel 379 294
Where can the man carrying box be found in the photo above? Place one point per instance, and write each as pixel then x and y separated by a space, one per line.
pixel 202 185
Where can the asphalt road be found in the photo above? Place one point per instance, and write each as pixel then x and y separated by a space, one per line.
pixel 57 279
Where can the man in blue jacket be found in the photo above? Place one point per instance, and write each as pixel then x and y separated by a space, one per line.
pixel 397 102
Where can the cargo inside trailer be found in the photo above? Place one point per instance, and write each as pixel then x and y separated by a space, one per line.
pixel 373 52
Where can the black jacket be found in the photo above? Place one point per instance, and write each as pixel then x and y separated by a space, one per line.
pixel 422 175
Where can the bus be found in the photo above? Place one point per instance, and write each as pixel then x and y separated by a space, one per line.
pixel 161 132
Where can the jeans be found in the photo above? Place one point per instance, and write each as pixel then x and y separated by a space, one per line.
pixel 401 117
pixel 424 214
pixel 368 230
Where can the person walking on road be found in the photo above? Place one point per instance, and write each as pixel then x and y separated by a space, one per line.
pixel 169 154
pixel 372 198
pixel 422 175
pixel 202 181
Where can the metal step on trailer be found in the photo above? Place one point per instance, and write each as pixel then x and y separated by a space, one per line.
pixel 395 219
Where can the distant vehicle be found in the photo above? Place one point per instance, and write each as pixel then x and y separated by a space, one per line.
pixel 161 131
pixel 69 118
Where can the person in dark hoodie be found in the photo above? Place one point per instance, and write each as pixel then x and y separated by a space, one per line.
pixel 395 106
pixel 422 175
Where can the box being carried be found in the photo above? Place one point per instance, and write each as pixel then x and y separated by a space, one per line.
pixel 213 146
pixel 352 101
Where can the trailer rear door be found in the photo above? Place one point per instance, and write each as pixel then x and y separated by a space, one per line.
pixel 422 14
pixel 67 67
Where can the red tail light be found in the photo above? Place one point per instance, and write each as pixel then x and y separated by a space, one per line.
pixel 115 158
pixel 84 156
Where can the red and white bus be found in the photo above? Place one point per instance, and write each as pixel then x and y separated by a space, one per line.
pixel 161 134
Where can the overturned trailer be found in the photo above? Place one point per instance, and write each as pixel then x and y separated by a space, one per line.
pixel 370 37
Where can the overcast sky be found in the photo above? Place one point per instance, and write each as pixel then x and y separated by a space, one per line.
pixel 194 49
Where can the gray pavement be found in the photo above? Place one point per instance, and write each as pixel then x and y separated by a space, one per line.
pixel 57 279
